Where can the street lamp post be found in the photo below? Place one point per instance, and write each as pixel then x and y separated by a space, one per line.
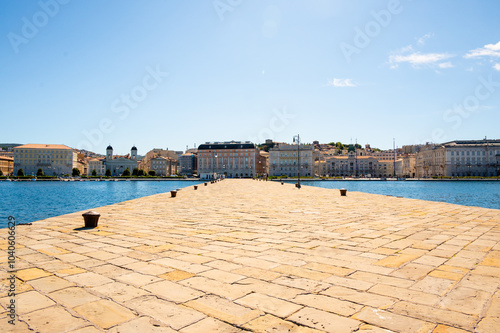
pixel 297 139
pixel 213 166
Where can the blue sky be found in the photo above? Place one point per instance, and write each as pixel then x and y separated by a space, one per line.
pixel 171 74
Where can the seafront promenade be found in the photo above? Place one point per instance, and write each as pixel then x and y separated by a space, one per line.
pixel 247 255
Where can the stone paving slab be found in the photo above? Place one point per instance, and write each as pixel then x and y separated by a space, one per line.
pixel 247 255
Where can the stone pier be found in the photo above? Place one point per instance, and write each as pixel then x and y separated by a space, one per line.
pixel 247 255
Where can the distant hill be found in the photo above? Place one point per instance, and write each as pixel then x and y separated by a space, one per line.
pixel 4 146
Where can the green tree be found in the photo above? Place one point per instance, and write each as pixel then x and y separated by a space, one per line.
pixel 141 172
pixel 75 172
pixel 39 173
pixel 20 173
pixel 339 145
pixel 108 173
pixel 126 173
pixel 94 173
pixel 135 172
pixel 152 173
pixel 1 172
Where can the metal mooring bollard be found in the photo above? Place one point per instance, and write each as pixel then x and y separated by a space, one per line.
pixel 195 187
pixel 91 218
pixel 343 192
pixel 173 193
pixel 206 184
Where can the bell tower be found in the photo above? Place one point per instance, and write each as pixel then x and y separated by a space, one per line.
pixel 109 153
pixel 133 153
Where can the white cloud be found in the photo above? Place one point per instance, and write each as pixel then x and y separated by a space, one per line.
pixel 419 59
pixel 341 83
pixel 497 67
pixel 410 54
pixel 421 40
pixel 489 50
pixel 446 65
pixel 405 49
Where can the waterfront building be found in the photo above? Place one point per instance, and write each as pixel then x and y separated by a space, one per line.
pixel 480 158
pixel 351 166
pixel 360 163
pixel 97 164
pixel 384 155
pixel 157 152
pixel 320 167
pixel 54 160
pixel 283 160
pixel 408 167
pixel 163 166
pixel 82 163
pixel 232 159
pixel 262 166
pixel 6 165
pixel 117 164
pixel 187 164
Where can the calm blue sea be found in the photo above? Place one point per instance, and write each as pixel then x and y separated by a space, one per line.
pixel 30 201
pixel 468 193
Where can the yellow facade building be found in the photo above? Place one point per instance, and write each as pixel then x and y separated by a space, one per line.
pixel 6 165
pixel 54 160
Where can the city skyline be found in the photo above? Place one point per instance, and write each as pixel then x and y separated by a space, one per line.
pixel 126 73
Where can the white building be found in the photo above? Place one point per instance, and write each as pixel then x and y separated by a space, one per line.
pixel 118 164
pixel 460 158
pixel 285 159
pixel 358 163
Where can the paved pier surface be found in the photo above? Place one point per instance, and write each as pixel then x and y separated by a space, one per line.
pixel 244 255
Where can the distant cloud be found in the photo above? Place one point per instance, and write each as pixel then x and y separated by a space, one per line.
pixel 410 54
pixel 497 67
pixel 421 40
pixel 446 65
pixel 341 83
pixel 417 59
pixel 405 49
pixel 489 50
